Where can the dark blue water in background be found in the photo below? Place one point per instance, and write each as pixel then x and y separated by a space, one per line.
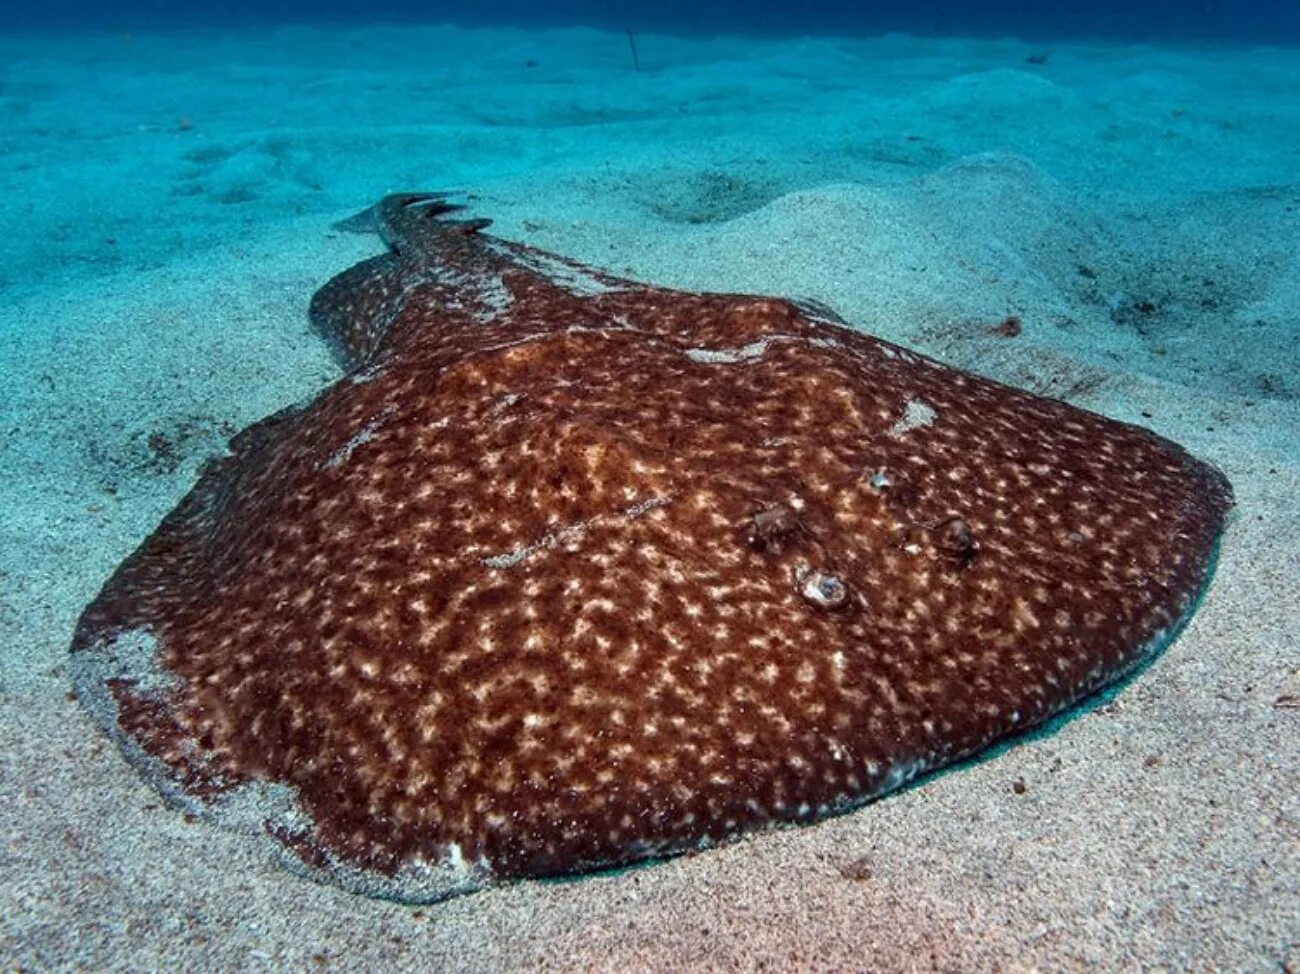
pixel 1266 21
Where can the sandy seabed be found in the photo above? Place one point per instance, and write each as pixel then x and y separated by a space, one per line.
pixel 166 204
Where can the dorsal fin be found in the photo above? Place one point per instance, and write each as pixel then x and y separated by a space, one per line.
pixel 354 309
pixel 412 225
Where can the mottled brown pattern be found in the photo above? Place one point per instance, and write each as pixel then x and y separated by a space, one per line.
pixel 569 571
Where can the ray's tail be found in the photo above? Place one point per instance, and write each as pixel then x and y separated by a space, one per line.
pixel 354 309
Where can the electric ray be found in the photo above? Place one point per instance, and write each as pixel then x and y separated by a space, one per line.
pixel 569 571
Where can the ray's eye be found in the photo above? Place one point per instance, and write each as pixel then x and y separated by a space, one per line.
pixel 830 588
pixel 820 589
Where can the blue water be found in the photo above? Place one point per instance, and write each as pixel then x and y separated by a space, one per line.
pixel 1271 21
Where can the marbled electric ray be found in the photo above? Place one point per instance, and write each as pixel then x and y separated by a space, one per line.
pixel 569 571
